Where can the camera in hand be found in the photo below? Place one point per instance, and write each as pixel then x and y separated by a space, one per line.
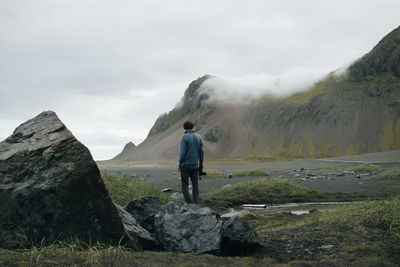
pixel 201 173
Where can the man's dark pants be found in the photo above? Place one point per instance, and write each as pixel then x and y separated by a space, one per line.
pixel 192 172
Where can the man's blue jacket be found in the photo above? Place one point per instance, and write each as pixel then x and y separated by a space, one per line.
pixel 191 149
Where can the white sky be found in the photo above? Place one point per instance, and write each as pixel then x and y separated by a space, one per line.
pixel 108 68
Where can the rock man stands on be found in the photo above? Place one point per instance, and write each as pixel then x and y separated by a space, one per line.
pixel 191 157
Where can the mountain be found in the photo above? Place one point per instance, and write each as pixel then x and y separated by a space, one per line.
pixel 129 149
pixel 351 113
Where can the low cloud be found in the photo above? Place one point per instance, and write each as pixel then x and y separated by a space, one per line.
pixel 230 88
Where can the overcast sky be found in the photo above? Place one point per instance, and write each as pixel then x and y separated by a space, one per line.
pixel 109 68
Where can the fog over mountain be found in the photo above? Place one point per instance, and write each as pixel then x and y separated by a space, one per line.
pixel 109 68
pixel 229 88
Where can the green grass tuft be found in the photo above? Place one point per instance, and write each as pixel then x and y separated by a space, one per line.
pixel 250 172
pixel 389 174
pixel 123 188
pixel 366 167
pixel 378 214
pixel 264 190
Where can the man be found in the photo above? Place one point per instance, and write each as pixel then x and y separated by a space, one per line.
pixel 191 156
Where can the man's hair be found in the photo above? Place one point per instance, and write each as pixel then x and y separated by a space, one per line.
pixel 188 125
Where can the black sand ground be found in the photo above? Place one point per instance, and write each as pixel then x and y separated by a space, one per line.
pixel 326 175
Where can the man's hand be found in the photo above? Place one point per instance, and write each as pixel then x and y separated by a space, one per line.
pixel 200 171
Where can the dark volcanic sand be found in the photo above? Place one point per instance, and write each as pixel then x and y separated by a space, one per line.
pixel 326 175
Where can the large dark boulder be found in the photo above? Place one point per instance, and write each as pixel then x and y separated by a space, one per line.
pixel 143 210
pixel 238 238
pixel 51 189
pixel 183 227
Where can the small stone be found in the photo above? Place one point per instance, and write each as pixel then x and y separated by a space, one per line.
pixel 326 247
pixel 166 190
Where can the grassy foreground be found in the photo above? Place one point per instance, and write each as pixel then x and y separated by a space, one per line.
pixel 359 234
pixel 67 255
pixel 383 215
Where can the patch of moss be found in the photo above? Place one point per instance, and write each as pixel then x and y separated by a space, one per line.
pixel 381 215
pixel 260 191
pixel 364 249
pixel 389 174
pixel 366 167
pixel 250 172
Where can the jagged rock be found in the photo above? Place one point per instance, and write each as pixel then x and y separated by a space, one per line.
pixel 183 227
pixel 143 210
pixel 238 238
pixel 135 234
pixel 51 189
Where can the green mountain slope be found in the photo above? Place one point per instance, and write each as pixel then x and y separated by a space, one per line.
pixel 336 117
